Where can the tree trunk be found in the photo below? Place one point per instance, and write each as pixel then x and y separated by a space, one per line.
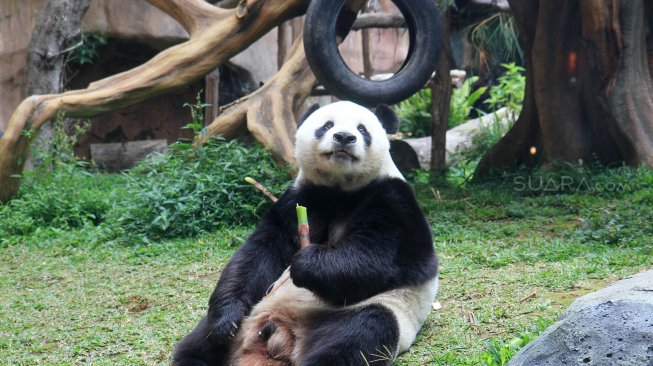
pixel 589 92
pixel 50 45
pixel 441 101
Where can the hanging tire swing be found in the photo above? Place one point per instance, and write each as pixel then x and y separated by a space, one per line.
pixel 425 34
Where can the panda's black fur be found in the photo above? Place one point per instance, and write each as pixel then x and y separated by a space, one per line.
pixel 364 242
pixel 367 259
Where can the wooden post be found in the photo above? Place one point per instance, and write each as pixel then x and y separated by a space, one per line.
pixel 365 40
pixel 212 96
pixel 282 44
pixel 441 99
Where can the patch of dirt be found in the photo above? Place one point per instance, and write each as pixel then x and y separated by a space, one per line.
pixel 137 305
pixel 561 300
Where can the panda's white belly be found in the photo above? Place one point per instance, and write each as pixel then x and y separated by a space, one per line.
pixel 410 306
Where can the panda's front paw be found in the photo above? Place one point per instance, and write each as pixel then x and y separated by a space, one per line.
pixel 300 270
pixel 223 330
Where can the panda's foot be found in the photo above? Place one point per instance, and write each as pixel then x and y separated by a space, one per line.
pixel 362 336
pixel 269 342
pixel 195 349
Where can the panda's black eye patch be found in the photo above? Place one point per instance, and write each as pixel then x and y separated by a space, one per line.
pixel 319 133
pixel 366 134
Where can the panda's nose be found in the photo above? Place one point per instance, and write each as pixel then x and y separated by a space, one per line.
pixel 344 138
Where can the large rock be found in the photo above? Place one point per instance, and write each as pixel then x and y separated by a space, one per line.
pixel 611 327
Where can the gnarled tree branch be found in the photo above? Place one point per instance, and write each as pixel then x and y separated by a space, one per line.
pixel 193 15
pixel 269 112
pixel 215 36
pixel 211 43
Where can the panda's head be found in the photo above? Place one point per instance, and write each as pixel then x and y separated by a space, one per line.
pixel 345 145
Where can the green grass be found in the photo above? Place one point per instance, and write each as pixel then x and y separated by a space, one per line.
pixel 81 295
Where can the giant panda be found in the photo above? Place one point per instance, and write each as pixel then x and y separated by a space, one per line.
pixel 359 293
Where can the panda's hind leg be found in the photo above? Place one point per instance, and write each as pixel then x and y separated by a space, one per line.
pixel 195 349
pixel 365 335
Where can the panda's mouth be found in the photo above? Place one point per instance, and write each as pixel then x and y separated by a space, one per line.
pixel 340 155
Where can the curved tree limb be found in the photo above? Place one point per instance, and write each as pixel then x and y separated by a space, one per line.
pixel 215 36
pixel 193 15
pixel 269 112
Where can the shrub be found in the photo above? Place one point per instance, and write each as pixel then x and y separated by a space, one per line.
pixel 510 91
pixel 190 190
pixel 415 112
pixel 87 49
pixel 68 197
pixel 62 192
pixel 463 100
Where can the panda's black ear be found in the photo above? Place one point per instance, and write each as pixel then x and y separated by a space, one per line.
pixel 307 113
pixel 388 118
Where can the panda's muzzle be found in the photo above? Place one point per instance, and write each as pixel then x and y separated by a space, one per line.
pixel 344 138
pixel 340 154
pixel 342 143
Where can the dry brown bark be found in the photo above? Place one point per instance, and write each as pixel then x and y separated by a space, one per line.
pixel 441 101
pixel 269 112
pixel 589 92
pixel 215 36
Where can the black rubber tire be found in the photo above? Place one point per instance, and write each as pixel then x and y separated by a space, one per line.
pixel 424 26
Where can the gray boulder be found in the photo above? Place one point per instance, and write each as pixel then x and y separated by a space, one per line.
pixel 610 327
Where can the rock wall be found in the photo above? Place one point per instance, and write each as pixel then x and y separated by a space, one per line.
pixel 123 19
pixel 17 19
pixel 135 20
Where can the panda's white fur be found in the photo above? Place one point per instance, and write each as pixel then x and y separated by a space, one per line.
pixel 368 163
pixel 294 306
pixel 410 305
pixel 360 292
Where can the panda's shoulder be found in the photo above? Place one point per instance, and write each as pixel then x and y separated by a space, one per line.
pixel 393 190
pixel 282 212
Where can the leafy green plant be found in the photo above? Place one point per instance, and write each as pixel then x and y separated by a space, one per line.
pixel 196 187
pixel 62 192
pixel 190 190
pixel 463 100
pixel 498 352
pixel 495 39
pixel 197 116
pixel 86 51
pixel 60 151
pixel 509 92
pixel 415 112
pixel 608 226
